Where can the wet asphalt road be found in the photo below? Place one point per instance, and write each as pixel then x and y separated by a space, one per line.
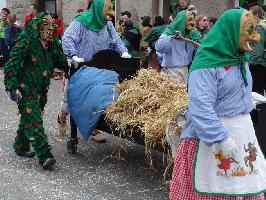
pixel 90 174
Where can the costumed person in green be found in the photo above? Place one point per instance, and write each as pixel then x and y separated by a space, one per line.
pixel 218 157
pixel 178 43
pixel 27 78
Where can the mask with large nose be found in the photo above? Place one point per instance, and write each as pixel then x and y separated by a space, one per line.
pixel 190 18
pixel 248 36
pixel 47 28
pixel 108 10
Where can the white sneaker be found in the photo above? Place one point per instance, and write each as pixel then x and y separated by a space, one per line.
pixel 98 136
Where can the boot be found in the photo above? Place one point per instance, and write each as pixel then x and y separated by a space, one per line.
pixel 48 164
pixel 29 154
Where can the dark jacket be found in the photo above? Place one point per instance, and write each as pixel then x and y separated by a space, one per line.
pixel 131 39
pixel 258 56
pixel 153 35
pixel 11 34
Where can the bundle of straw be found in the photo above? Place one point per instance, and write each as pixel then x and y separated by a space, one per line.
pixel 149 101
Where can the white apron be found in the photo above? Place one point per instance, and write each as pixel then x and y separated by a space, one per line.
pixel 243 175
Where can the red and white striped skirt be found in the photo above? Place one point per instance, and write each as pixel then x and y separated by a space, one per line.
pixel 181 186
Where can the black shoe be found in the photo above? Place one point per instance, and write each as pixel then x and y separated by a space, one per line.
pixel 48 164
pixel 28 154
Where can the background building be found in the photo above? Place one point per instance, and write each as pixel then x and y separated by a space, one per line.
pixel 67 8
pixel 18 7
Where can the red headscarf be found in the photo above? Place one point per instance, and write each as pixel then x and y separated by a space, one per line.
pixel 60 28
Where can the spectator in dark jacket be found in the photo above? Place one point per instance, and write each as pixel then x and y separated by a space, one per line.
pixel 258 56
pixel 212 22
pixel 131 38
pixel 153 35
pixel 11 31
pixel 175 8
pixel 3 47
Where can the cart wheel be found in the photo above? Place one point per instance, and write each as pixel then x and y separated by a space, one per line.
pixel 72 146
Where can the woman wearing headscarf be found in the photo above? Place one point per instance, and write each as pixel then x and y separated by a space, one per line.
pixel 218 157
pixel 90 32
pixel 177 44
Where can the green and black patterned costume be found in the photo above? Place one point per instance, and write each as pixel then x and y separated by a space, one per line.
pixel 28 71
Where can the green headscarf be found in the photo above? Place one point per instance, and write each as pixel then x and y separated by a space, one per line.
pixel 93 19
pixel 193 35
pixel 179 24
pixel 220 46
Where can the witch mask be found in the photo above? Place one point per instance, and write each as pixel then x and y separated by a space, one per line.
pixel 47 28
pixel 191 18
pixel 248 34
pixel 108 10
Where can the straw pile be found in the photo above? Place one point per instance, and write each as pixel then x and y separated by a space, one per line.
pixel 149 101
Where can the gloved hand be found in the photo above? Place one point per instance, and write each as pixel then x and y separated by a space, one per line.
pixel 228 147
pixel 126 55
pixel 177 35
pixel 76 60
pixel 180 120
pixel 69 61
pixel 15 95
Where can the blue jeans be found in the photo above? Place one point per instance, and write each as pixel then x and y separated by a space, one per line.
pixel 4 49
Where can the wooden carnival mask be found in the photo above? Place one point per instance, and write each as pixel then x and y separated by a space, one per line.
pixel 248 34
pixel 191 17
pixel 108 10
pixel 47 28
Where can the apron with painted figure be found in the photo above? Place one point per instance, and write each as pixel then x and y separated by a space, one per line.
pixel 244 175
